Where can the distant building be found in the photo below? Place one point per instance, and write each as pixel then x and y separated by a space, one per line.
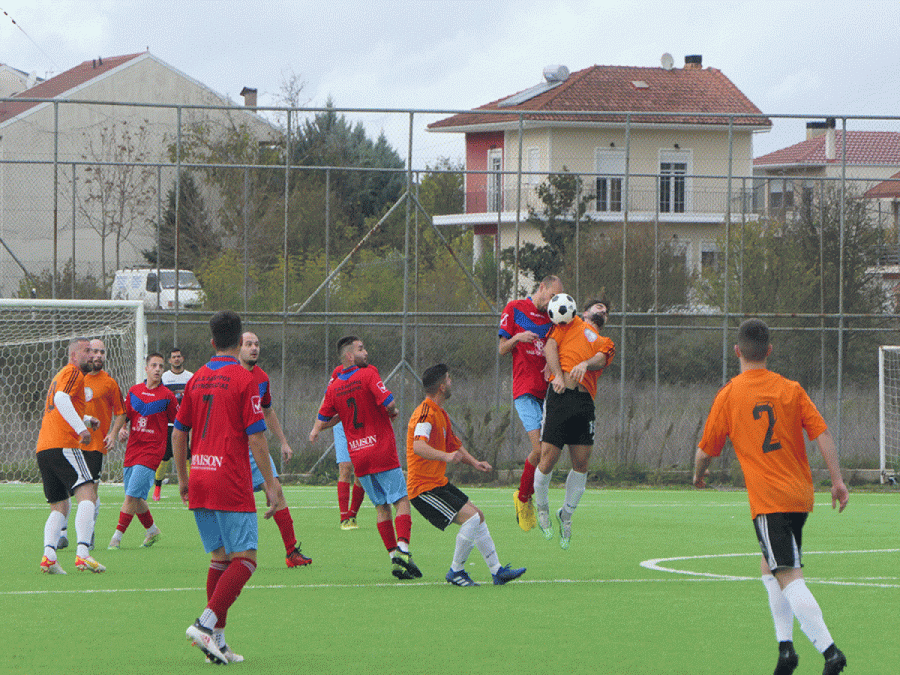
pixel 677 158
pixel 787 180
pixel 43 144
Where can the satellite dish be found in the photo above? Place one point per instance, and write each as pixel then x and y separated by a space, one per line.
pixel 667 61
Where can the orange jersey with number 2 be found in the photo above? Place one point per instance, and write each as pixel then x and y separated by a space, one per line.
pixel 765 415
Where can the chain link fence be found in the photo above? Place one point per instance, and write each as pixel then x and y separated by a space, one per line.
pixel 310 245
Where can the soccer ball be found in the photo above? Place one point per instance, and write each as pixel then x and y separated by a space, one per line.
pixel 562 308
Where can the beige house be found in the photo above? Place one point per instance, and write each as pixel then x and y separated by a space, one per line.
pixel 788 179
pixel 675 132
pixel 81 168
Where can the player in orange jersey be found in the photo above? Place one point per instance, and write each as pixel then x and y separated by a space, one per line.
pixel 764 415
pixel 576 355
pixel 430 446
pixel 64 471
pixel 103 400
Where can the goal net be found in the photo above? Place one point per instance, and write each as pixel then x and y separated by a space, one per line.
pixel 34 337
pixel 889 410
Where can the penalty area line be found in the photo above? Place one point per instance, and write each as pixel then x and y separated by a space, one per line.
pixel 655 565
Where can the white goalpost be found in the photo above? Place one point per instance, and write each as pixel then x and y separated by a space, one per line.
pixel 889 411
pixel 34 336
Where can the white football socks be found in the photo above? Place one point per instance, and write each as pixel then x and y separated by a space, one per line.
pixel 542 490
pixel 84 526
pixel 465 542
pixel 781 609
pixel 576 482
pixel 486 547
pixel 808 613
pixel 52 528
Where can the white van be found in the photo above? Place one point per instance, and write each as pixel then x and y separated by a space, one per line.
pixel 158 291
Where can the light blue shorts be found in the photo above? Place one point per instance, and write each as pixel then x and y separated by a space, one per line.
pixel 236 531
pixel 341 452
pixel 531 411
pixel 138 480
pixel 258 480
pixel 386 487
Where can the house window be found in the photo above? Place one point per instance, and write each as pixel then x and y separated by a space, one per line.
pixel 610 173
pixel 532 166
pixel 711 258
pixel 495 180
pixel 781 194
pixel 673 188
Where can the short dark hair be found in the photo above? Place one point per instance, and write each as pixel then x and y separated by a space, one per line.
pixel 753 340
pixel 150 356
pixel 344 341
pixel 175 349
pixel 433 377
pixel 593 301
pixel 226 329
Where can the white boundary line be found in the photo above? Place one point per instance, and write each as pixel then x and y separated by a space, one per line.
pixel 654 564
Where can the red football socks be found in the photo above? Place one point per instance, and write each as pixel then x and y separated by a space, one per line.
pixel 358 495
pixel 343 498
pixel 229 587
pixel 526 484
pixel 386 530
pixel 286 527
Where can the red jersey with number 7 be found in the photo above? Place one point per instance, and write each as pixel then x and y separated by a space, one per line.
pixel 764 415
pixel 358 397
pixel 221 406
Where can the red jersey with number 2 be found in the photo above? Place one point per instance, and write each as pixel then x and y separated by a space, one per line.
pixel 358 397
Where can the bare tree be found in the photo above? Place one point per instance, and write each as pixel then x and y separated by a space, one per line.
pixel 119 187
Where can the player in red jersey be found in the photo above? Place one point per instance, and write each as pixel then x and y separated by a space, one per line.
pixel 221 408
pixel 524 325
pixel 350 490
pixel 149 408
pixel 366 408
pixel 282 517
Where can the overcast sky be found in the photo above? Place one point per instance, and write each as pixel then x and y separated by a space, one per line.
pixel 788 57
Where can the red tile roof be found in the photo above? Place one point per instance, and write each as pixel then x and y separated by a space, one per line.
pixel 62 83
pixel 889 189
pixel 613 89
pixel 863 148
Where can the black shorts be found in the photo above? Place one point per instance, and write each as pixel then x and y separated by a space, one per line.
pixel 168 455
pixel 780 537
pixel 568 418
pixel 94 461
pixel 440 505
pixel 62 470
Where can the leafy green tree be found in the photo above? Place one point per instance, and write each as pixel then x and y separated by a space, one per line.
pixel 330 140
pixel 87 286
pixel 198 238
pixel 441 190
pixel 794 267
pixel 601 271
pixel 564 202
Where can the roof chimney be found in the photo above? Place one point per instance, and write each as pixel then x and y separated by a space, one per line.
pixel 814 129
pixel 249 97
pixel 830 145
pixel 693 62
